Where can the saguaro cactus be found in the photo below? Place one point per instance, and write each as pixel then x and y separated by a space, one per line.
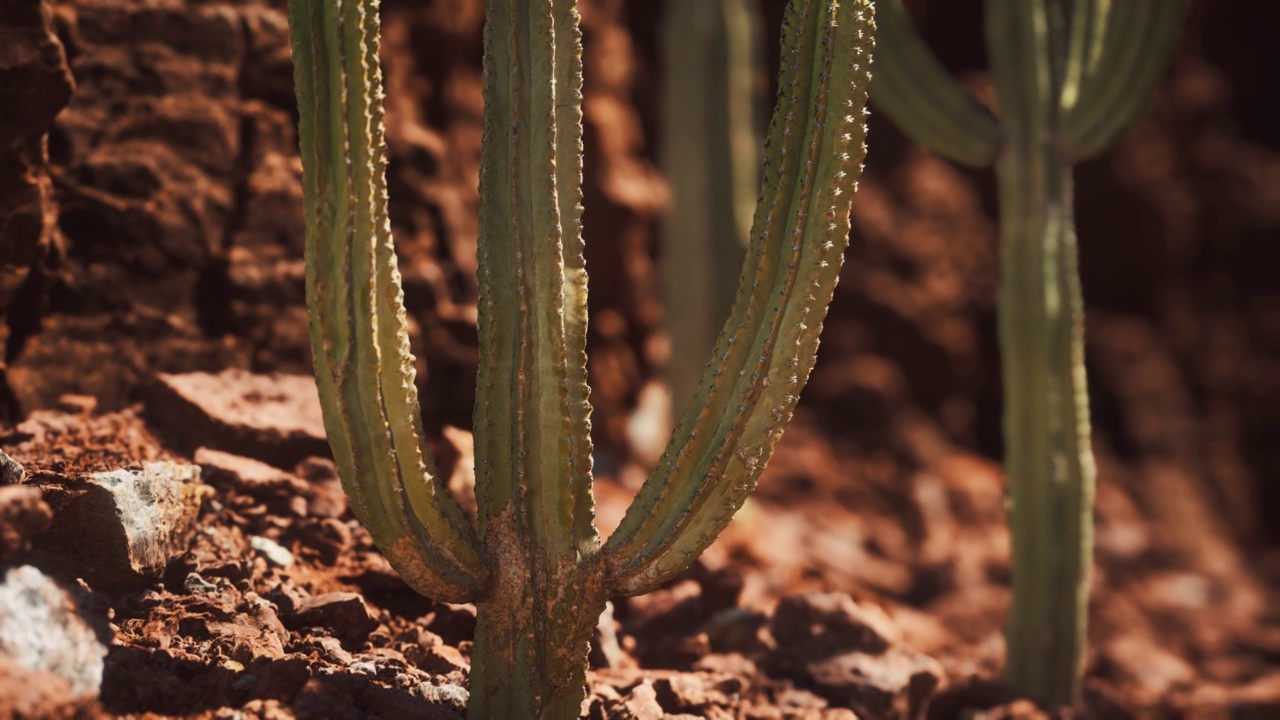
pixel 1070 76
pixel 536 569
pixel 711 156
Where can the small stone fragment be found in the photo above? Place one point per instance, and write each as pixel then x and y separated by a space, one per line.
pixel 23 515
pixel 325 496
pixel 44 631
pixel 11 472
pixel 442 660
pixel 195 584
pixel 342 612
pixel 896 683
pixel 852 655
pixel 828 623
pixel 77 404
pixel 642 703
pixel 606 651
pixel 251 477
pixel 273 418
pixel 452 696
pixel 272 551
pixel 120 529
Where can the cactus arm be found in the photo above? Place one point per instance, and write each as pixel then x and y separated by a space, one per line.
pixel 1048 462
pixel 533 452
pixel 922 98
pixel 710 153
pixel 1138 39
pixel 359 334
pixel 765 352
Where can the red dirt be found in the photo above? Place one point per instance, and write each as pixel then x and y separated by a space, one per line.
pixel 162 235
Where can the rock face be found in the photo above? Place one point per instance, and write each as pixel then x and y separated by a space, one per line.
pixel 34 85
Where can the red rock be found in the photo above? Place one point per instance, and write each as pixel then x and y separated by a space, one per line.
pixel 273 418
pixel 642 703
pixel 442 660
pixel 23 516
pixel 344 613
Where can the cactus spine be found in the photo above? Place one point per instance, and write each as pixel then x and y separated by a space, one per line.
pixel 1069 76
pixel 536 568
pixel 711 156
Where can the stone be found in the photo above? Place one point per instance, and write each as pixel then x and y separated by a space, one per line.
pixel 642 703
pixel 273 418
pixel 11 471
pixel 344 613
pixel 251 477
pixel 49 643
pixel 272 551
pixel 119 530
pixel 36 85
pixel 442 660
pixel 23 516
pixel 852 655
pixel 828 623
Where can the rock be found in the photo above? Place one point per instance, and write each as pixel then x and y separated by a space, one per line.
pixel 342 612
pixel 48 645
pixel 442 660
pixel 642 703
pixel 75 404
pixel 53 446
pixel 606 651
pixel 449 695
pixel 696 693
pixel 272 551
pixel 896 683
pixel 273 418
pixel 828 623
pixel 23 515
pixel 325 496
pixel 36 85
pixel 11 472
pixel 852 655
pixel 453 622
pixel 280 490
pixel 119 529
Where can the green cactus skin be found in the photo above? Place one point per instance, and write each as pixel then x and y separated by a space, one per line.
pixel 1069 78
pixel 711 157
pixel 536 569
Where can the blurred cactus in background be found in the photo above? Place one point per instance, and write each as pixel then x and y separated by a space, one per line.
pixel 711 156
pixel 535 567
pixel 1070 76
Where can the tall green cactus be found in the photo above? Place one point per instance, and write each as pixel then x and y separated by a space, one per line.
pixel 1070 76
pixel 711 156
pixel 536 569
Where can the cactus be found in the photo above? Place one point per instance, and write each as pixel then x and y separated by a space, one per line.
pixel 1069 78
pixel 711 155
pixel 536 568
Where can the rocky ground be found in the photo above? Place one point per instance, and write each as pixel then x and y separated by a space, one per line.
pixel 173 540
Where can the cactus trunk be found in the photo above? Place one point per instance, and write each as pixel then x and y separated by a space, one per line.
pixel 1069 76
pixel 536 569
pixel 532 420
pixel 1048 462
pixel 711 156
